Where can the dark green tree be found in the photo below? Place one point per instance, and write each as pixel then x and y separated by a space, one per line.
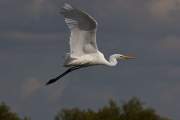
pixel 7 114
pixel 131 110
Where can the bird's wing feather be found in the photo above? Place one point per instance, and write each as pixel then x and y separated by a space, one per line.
pixel 83 31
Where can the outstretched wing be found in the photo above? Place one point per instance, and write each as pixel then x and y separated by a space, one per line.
pixel 83 31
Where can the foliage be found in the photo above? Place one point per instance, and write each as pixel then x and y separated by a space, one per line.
pixel 131 110
pixel 6 114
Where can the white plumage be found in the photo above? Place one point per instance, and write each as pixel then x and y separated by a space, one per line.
pixel 83 48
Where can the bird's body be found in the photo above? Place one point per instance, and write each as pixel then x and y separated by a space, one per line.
pixel 90 59
pixel 83 48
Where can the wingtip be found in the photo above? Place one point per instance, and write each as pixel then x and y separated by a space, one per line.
pixel 67 6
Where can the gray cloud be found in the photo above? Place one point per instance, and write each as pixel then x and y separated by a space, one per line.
pixel 170 44
pixel 165 9
pixel 29 87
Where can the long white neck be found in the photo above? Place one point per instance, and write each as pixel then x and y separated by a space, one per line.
pixel 113 60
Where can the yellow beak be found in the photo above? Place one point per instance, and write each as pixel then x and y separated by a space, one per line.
pixel 125 57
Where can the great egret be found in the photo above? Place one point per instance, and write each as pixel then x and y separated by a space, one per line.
pixel 83 48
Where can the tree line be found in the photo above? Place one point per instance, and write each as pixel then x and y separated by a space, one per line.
pixel 133 109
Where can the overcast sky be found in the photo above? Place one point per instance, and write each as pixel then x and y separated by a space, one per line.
pixel 34 40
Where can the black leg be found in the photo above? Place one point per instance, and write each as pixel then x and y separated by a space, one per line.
pixel 63 74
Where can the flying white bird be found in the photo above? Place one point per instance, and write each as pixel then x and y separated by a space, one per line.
pixel 83 48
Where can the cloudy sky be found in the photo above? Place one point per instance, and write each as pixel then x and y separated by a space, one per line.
pixel 34 40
